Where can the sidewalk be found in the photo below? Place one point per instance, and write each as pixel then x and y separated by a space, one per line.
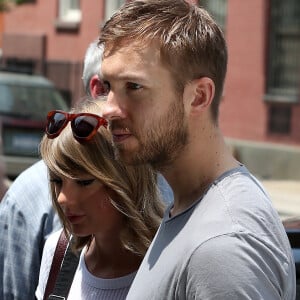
pixel 285 195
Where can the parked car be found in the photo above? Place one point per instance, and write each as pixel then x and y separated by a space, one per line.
pixel 292 228
pixel 24 102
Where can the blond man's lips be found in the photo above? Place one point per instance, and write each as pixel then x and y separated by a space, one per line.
pixel 119 135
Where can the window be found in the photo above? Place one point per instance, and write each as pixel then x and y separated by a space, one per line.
pixel 279 119
pixel 284 51
pixel 69 14
pixel 20 65
pixel 217 9
pixel 111 6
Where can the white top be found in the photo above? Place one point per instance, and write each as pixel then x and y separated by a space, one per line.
pixel 85 285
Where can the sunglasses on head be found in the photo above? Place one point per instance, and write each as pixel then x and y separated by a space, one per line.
pixel 84 125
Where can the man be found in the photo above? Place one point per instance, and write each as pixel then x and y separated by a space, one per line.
pixel 27 216
pixel 164 66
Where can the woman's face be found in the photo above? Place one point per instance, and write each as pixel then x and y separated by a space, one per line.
pixel 86 205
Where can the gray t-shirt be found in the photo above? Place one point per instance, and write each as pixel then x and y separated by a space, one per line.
pixel 230 245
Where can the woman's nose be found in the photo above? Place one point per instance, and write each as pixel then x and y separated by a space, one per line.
pixel 65 195
pixel 61 198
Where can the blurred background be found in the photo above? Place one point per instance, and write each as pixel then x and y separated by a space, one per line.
pixel 259 114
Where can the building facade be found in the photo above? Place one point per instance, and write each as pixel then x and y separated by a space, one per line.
pixel 261 95
pixel 51 37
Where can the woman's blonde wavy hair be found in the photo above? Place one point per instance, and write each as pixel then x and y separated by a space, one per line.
pixel 134 188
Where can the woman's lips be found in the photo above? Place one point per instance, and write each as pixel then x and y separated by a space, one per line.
pixel 75 219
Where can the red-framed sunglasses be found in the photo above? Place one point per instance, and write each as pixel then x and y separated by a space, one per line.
pixel 84 125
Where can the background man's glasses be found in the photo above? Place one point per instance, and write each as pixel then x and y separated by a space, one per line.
pixel 84 125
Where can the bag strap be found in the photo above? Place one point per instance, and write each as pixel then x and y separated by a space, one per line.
pixel 56 263
pixel 65 277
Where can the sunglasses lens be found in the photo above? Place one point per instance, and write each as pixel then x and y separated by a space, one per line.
pixel 83 126
pixel 55 123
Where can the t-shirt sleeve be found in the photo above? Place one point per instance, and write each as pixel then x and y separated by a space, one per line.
pixel 231 267
pixel 48 253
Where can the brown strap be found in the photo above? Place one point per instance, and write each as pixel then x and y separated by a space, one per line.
pixel 56 263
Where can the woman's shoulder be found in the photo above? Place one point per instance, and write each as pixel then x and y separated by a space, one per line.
pixel 52 240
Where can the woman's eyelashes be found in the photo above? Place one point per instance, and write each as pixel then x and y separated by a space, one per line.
pixel 85 182
pixel 81 182
pixel 56 180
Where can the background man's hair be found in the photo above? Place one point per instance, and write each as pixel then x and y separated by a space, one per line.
pixel 92 64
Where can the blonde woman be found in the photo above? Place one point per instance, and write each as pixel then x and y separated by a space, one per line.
pixel 111 210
